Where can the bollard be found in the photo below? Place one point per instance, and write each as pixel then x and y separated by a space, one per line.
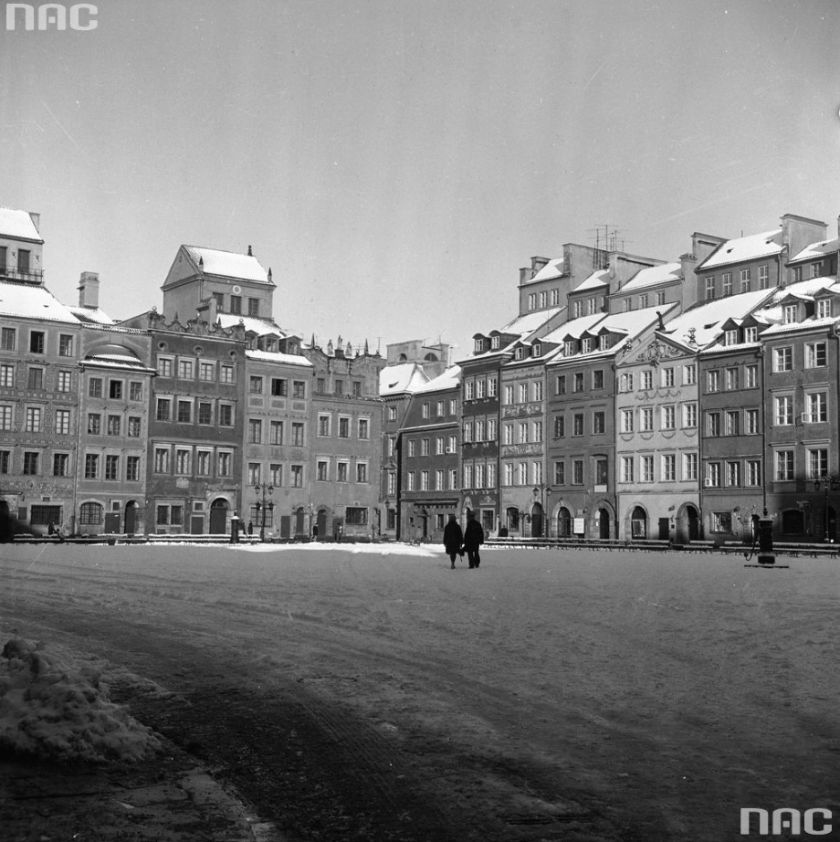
pixel 765 540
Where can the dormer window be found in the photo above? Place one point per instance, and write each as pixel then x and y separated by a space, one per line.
pixel 479 345
pixel 816 269
pixel 586 344
pixel 730 337
pixel 520 353
pixel 751 334
pixel 569 347
pixel 604 341
pixel 495 342
pixel 824 308
pixel 790 313
pixel 537 350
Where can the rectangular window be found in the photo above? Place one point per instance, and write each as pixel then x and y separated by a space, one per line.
pixel 225 373
pixel 206 371
pixel 726 283
pixel 225 415
pixel 163 409
pixel 236 305
pixel 224 462
pixel 164 367
pixel 61 464
pixel 161 461
pixel 255 385
pixel 646 419
pixel 62 422
pixel 646 380
pixel 750 376
pixel 185 369
pixel 577 472
pixel 559 473
pixel 7 377
pixel 626 420
pixel 91 465
pixel 6 417
pixel 689 374
pixel 254 431
pixel 745 279
pixel 783 410
pixel 135 391
pixel 669 417
pixel 205 412
pixel 817 462
pixel 751 422
pixel 133 427
pixel 115 389
pixel 712 381
pixel 667 377
pixel 598 423
pixel 733 474
pixel 646 469
pixel 298 390
pixel 731 378
pixel 627 472
pixel 184 412
pixel 112 467
pixel 753 475
pixel 342 469
pixel 713 474
pixel 364 429
pixel 94 425
pixel 690 465
pixel 33 419
pixel 65 345
pixel 35 379
pixel 578 424
pixel 784 465
pixel 203 460
pixel 560 385
pixel 783 359
pixel 297 434
pixel 30 462
pixel 732 422
pixel 815 355
pixel 8 339
pixel 689 415
pixel 816 408
pixel 36 342
pixel 559 428
pixel 710 288
pixel 276 475
pixel 713 424
pixel 321 470
pixel 132 468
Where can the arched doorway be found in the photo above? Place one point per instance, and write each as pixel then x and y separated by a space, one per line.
pixel 300 526
pixel 603 523
pixel 693 517
pixel 536 521
pixel 218 516
pixel 512 514
pixel 130 518
pixel 638 523
pixel 564 523
pixel 322 523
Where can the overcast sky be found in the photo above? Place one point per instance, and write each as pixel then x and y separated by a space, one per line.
pixel 395 163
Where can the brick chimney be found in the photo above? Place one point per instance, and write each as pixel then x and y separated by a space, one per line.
pixel 89 290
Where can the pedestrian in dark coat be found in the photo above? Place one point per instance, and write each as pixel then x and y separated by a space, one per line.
pixel 473 539
pixel 453 539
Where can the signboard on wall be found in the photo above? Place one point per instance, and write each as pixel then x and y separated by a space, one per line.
pixel 578 527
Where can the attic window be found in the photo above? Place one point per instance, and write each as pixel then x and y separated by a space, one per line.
pixel 479 345
pixel 569 347
pixel 537 349
pixel 520 353
pixel 495 342
pixel 790 313
pixel 586 344
pixel 750 334
pixel 730 337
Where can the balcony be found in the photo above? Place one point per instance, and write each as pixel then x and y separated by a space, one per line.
pixel 7 273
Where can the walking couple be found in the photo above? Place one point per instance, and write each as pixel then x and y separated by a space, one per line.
pixel 457 542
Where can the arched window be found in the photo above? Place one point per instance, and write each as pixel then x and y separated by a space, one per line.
pixel 638 523
pixel 564 523
pixel 90 514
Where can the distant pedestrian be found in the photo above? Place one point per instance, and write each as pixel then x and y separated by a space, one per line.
pixel 250 528
pixel 453 539
pixel 473 539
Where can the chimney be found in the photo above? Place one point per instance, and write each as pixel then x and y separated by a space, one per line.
pixel 538 263
pixel 89 290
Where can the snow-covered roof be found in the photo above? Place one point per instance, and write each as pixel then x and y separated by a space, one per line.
pixel 33 302
pixel 91 314
pixel 751 247
pixel 597 279
pixel 816 250
pixel 574 327
pixel 18 224
pixel 397 379
pixel 228 264
pixel 653 276
pixel 705 321
pixel 790 327
pixel 278 357
pixel 449 379
pixel 523 325
pixel 555 268
pixel 261 327
pixel 116 356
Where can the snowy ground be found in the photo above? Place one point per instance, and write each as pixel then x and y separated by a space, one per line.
pixel 658 692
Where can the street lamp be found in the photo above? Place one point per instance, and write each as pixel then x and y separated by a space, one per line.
pixel 825 482
pixel 266 490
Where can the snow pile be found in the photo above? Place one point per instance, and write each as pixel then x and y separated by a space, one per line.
pixel 51 710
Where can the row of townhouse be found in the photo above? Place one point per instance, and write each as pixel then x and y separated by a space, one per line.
pixel 656 400
pixel 159 423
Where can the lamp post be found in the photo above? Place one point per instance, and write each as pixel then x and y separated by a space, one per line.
pixel 264 490
pixel 825 482
pixel 543 501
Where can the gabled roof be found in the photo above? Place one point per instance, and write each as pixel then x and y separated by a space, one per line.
pixel 555 268
pixel 740 249
pixel 18 224
pixel 653 276
pixel 523 325
pixel 596 280
pixel 449 379
pixel 91 314
pixel 227 264
pixel 398 379
pixel 33 302
pixel 816 250
pixel 705 321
